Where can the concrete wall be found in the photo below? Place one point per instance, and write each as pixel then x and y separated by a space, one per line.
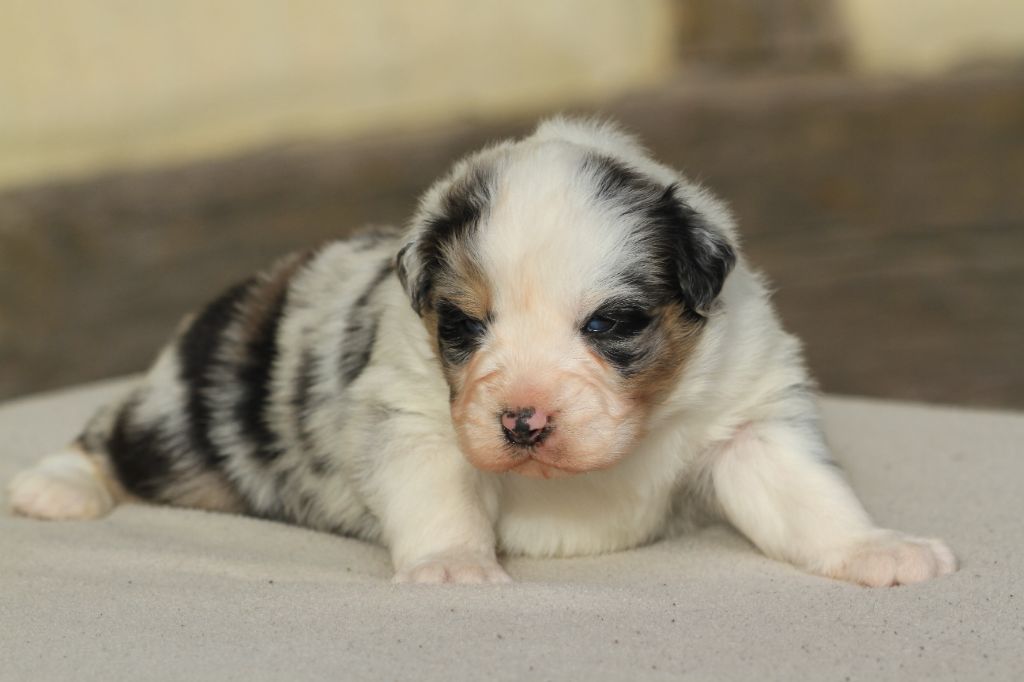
pixel 106 84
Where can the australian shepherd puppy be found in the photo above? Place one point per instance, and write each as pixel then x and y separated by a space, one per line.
pixel 563 351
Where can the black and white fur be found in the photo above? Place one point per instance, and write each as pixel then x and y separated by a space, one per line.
pixel 359 388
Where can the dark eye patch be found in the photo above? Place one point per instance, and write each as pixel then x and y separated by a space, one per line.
pixel 617 320
pixel 458 334
pixel 616 332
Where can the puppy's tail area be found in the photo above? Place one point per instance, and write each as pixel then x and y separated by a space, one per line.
pixel 76 483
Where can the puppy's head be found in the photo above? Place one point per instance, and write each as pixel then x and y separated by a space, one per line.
pixel 565 279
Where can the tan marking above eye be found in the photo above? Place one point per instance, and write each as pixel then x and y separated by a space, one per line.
pixel 464 285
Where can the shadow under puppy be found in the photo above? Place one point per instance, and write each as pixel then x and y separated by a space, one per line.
pixel 584 347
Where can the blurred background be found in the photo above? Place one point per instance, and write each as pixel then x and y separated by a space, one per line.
pixel 154 151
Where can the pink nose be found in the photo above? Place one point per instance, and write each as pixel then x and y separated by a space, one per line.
pixel 525 426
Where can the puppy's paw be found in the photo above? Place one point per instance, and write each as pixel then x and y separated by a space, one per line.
pixel 890 558
pixel 453 568
pixel 61 487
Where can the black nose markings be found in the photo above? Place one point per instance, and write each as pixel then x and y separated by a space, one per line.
pixel 517 428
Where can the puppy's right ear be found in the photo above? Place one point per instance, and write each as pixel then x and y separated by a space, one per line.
pixel 411 274
pixel 448 215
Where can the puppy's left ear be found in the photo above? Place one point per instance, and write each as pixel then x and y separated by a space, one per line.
pixel 701 253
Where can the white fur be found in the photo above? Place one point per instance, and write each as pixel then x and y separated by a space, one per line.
pixel 63 486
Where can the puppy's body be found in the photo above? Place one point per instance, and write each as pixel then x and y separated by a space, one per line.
pixel 579 315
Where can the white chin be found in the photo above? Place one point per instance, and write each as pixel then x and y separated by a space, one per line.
pixel 531 468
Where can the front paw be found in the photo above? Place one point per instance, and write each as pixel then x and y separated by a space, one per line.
pixel 890 558
pixel 453 568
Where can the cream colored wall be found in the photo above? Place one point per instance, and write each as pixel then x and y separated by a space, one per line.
pixel 928 37
pixel 86 86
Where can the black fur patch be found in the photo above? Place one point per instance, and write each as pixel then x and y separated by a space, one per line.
pixel 197 352
pixel 140 455
pixel 302 398
pixel 629 342
pixel 458 335
pixel 463 205
pixel 254 374
pixel 690 258
pixel 615 179
pixel 702 258
pixel 361 329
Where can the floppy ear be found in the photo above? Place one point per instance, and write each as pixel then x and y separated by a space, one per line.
pixel 449 212
pixel 701 254
pixel 412 276
pixel 693 254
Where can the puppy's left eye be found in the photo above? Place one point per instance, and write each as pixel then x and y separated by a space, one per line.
pixel 599 324
pixel 616 323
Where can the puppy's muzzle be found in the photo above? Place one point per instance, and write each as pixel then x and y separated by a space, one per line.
pixel 525 426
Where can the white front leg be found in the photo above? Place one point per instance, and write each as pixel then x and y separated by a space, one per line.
pixel 437 513
pixel 774 483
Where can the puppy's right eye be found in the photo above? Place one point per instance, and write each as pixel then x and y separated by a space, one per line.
pixel 454 323
pixel 472 328
pixel 459 335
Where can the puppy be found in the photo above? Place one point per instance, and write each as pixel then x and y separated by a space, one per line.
pixel 563 351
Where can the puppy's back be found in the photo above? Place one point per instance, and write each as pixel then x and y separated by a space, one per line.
pixel 225 418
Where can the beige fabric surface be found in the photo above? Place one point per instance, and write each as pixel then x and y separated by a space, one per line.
pixel 155 593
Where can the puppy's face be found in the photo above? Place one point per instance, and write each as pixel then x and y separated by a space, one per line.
pixel 564 291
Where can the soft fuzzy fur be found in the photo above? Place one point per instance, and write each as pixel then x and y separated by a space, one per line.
pixel 565 280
